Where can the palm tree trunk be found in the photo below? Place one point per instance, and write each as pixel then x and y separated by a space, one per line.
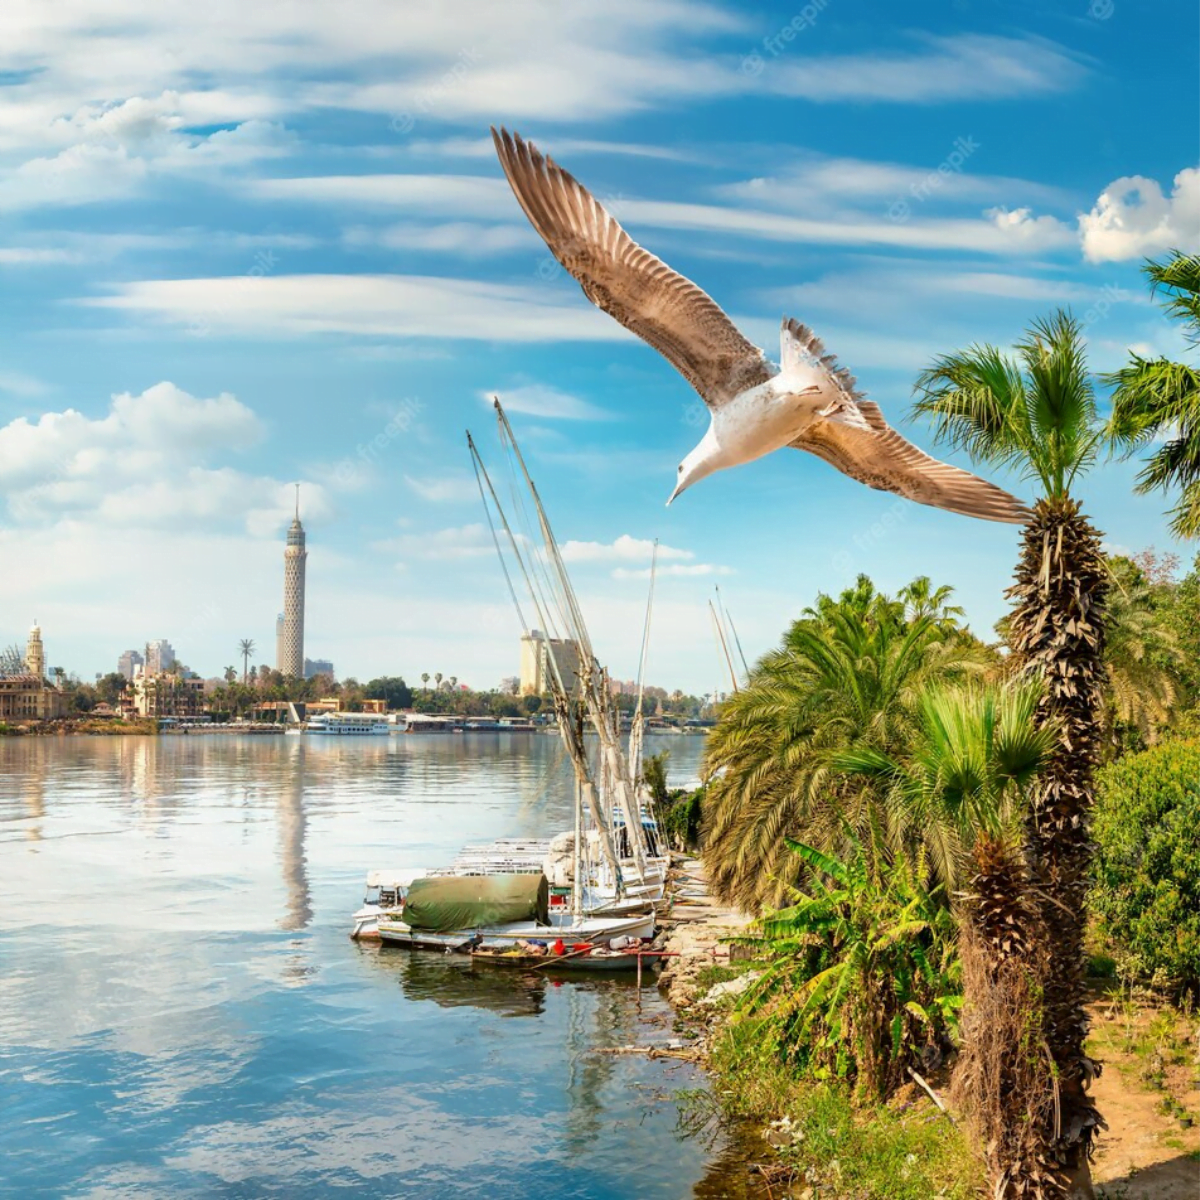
pixel 1057 633
pixel 1001 1078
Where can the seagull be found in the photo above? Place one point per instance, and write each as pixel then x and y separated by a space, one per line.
pixel 809 403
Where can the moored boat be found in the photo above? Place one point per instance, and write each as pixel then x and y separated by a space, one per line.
pixel 348 724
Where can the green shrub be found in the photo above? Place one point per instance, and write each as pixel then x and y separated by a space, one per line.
pixel 1146 872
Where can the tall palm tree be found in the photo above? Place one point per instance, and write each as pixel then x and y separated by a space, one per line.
pixel 968 779
pixel 425 680
pixel 437 680
pixel 1157 401
pixel 245 649
pixel 848 673
pixel 231 674
pixel 1037 413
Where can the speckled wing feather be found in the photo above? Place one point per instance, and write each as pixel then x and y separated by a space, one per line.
pixel 882 459
pixel 663 308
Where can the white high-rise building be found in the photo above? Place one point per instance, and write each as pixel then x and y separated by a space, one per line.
pixel 35 654
pixel 160 657
pixel 537 673
pixel 291 644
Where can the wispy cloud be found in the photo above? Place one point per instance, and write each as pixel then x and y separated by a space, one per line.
pixel 541 400
pixel 672 570
pixel 625 548
pixel 960 67
pixel 444 489
pixel 364 306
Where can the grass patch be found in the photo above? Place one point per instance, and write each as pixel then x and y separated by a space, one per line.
pixel 875 1152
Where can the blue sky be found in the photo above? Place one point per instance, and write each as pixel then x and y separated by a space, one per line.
pixel 247 245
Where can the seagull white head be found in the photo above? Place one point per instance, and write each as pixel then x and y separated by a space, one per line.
pixel 702 461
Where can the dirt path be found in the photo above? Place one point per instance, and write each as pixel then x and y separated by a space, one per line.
pixel 1147 1154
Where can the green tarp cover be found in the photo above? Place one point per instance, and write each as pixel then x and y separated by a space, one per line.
pixel 447 902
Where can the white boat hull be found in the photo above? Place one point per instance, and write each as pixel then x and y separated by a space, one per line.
pixel 587 929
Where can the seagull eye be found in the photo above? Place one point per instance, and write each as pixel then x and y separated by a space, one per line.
pixel 681 468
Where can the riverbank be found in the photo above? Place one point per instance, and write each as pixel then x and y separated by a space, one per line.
pixel 75 727
pixel 790 1136
pixel 799 1138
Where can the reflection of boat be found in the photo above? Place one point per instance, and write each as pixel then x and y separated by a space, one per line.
pixel 591 959
pixel 451 981
pixel 348 724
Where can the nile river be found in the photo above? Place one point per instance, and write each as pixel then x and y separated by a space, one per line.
pixel 182 1013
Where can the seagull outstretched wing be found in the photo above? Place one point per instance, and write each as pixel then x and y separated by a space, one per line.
pixel 883 459
pixel 681 321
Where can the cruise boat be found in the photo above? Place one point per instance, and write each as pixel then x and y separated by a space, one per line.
pixel 349 724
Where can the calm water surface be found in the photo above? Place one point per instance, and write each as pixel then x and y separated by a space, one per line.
pixel 182 1013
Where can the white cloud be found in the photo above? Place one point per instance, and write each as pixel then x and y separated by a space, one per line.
pixel 622 549
pixel 1132 218
pixel 540 400
pixel 688 570
pixel 444 489
pixel 467 239
pixel 969 66
pixel 366 305
pixel 1024 232
pixel 463 541
pixel 145 464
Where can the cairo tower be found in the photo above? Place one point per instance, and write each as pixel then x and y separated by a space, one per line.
pixel 291 644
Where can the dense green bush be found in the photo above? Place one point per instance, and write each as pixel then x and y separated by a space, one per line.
pixel 1146 874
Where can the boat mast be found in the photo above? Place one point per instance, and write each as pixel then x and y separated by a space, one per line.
pixel 638 728
pixel 592 676
pixel 571 735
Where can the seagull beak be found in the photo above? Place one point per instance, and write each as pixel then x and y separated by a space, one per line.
pixel 679 487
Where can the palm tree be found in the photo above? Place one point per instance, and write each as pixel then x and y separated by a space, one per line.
pixel 425 680
pixel 453 682
pixel 1143 660
pixel 245 649
pixel 437 681
pixel 1037 413
pixel 231 674
pixel 1158 401
pixel 922 599
pixel 848 673
pixel 968 779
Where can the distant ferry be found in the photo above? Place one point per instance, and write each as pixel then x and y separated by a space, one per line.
pixel 348 724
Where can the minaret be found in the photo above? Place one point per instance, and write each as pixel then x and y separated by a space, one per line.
pixel 291 644
pixel 35 655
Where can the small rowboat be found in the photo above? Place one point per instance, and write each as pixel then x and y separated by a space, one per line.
pixel 580 960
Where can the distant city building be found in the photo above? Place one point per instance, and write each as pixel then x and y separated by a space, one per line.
pixel 537 672
pixel 168 696
pixel 318 666
pixel 510 685
pixel 30 698
pixel 24 693
pixel 35 655
pixel 160 657
pixel 291 648
pixel 128 663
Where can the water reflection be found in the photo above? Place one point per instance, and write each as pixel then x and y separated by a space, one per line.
pixel 181 1009
pixel 292 826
